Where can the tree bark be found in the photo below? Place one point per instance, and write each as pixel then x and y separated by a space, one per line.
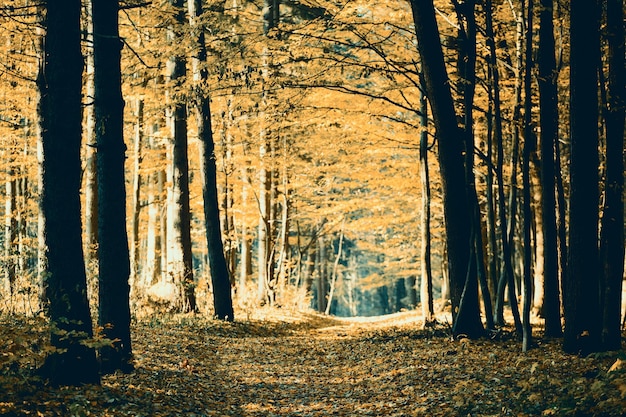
pixel 612 232
pixel 457 207
pixel 220 275
pixel 582 318
pixel 426 285
pixel 529 145
pixel 113 252
pixel 59 109
pixel 179 256
pixel 549 119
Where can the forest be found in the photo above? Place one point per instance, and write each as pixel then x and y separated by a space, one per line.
pixel 422 177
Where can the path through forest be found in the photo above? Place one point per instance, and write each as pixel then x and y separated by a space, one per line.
pixel 311 365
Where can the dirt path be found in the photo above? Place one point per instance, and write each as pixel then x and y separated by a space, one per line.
pixel 318 366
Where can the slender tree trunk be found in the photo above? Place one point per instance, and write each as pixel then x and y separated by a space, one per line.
pixel 220 275
pixel 65 283
pixel 549 118
pixel 334 276
pixel 91 166
pixel 507 277
pixel 612 232
pixel 136 192
pixel 322 285
pixel 10 225
pixel 426 286
pixel 179 256
pixel 245 261
pixel 152 270
pixel 264 233
pixel 495 269
pixel 529 145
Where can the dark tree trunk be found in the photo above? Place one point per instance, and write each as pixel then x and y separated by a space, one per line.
pixel 582 318
pixel 426 286
pixel 179 252
pixel 457 208
pixel 220 276
pixel 466 67
pixel 612 233
pixel 549 119
pixel 506 266
pixel 507 277
pixel 529 147
pixel 113 256
pixel 65 284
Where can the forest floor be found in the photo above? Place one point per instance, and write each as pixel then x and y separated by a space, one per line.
pixel 304 364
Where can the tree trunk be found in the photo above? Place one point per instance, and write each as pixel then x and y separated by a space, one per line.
pixel 136 191
pixel 113 253
pixel 220 276
pixel 426 286
pixel 529 145
pixel 582 318
pixel 322 285
pixel 495 269
pixel 153 269
pixel 457 207
pixel 10 225
pixel 549 119
pixel 507 277
pixel 179 256
pixel 245 259
pixel 612 232
pixel 65 283
pixel 91 166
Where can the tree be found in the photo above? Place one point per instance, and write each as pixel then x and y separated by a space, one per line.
pixel 265 254
pixel 426 283
pixel 220 274
pixel 529 147
pixel 549 119
pixel 180 263
pixel 582 319
pixel 457 207
pixel 59 84
pixel 612 232
pixel 113 252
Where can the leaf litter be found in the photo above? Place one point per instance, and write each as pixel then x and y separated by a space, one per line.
pixel 297 364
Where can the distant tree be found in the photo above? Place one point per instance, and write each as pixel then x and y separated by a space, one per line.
pixel 457 208
pixel 220 274
pixel 265 254
pixel 59 83
pixel 581 297
pixel 113 253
